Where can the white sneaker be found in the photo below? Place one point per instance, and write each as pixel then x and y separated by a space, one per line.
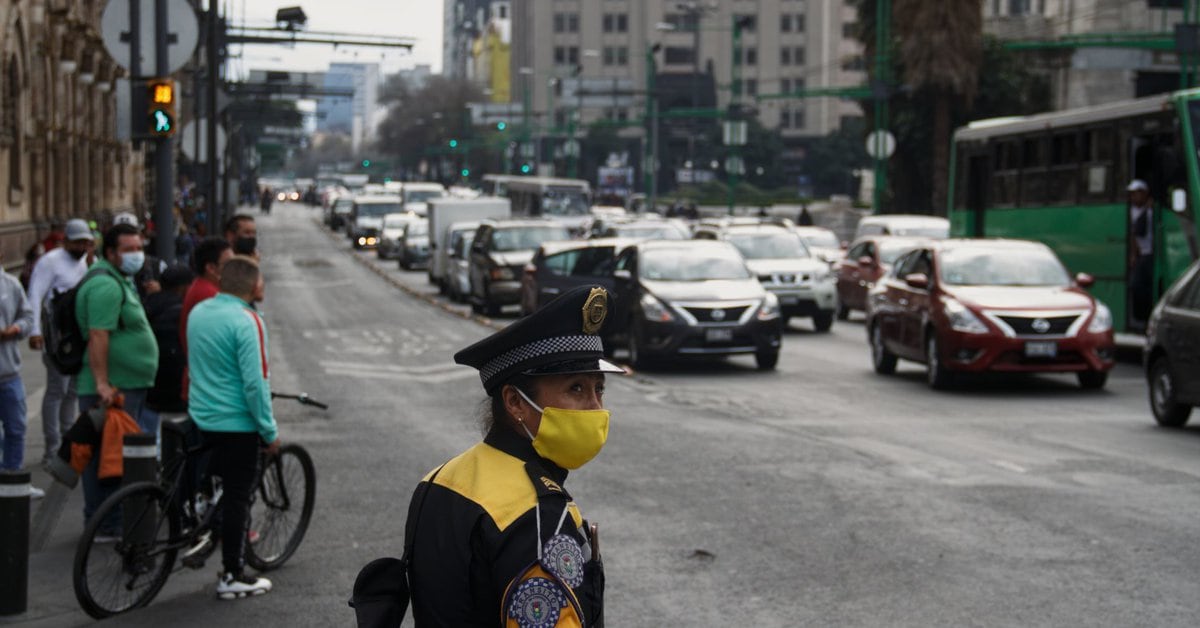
pixel 36 493
pixel 231 587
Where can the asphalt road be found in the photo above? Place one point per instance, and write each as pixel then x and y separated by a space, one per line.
pixel 819 494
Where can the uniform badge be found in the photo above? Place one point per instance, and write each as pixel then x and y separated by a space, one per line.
pixel 595 309
pixel 537 603
pixel 563 557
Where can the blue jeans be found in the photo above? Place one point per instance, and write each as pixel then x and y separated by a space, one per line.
pixel 12 424
pixel 95 491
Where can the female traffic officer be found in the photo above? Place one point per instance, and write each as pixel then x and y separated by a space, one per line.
pixel 496 538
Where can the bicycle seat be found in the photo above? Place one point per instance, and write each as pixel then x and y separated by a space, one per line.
pixel 180 424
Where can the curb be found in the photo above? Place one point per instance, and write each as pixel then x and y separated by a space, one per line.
pixel 406 289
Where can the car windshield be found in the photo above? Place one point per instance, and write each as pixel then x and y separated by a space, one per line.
pixel 889 252
pixel 396 222
pixel 564 202
pixel 650 232
pixel 421 196
pixel 525 238
pixel 1002 267
pixel 418 228
pixel 820 239
pixel 769 245
pixel 675 264
pixel 343 207
pixel 377 209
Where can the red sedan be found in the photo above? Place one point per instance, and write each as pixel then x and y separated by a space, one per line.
pixel 988 305
pixel 868 259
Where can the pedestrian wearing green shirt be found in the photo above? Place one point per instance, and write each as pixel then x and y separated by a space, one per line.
pixel 229 398
pixel 121 356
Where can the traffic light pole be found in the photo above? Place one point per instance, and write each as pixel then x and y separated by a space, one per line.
pixel 164 177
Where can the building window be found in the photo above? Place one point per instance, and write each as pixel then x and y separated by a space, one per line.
pixel 752 56
pixel 785 56
pixel 785 23
pixel 785 86
pixel 616 23
pixel 566 22
pixel 616 55
pixel 799 23
pixel 566 55
pixel 798 119
pixel 674 55
pixel 749 22
pixel 798 55
pixel 751 87
pixel 853 64
pixel 785 119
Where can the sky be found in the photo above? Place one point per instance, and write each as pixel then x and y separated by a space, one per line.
pixel 420 19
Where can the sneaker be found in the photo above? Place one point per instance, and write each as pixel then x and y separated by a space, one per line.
pixel 231 587
pixel 36 493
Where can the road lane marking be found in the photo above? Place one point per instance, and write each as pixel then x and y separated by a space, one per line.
pixel 426 378
pixel 393 368
pixel 1009 466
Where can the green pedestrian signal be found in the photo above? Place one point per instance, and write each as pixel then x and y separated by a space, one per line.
pixel 525 169
pixel 366 163
pixel 453 143
pixel 466 172
pixel 500 126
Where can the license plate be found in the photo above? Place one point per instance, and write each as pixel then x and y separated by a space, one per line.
pixel 718 335
pixel 1041 349
pixel 789 300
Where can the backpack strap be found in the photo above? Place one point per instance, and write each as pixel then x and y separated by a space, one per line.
pixel 410 528
pixel 95 272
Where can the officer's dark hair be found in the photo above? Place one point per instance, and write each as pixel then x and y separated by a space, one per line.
pixel 231 225
pixel 208 252
pixel 114 234
pixel 495 411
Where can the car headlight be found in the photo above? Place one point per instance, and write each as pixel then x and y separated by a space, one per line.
pixel 655 310
pixel 963 319
pixel 502 273
pixel 769 309
pixel 1101 320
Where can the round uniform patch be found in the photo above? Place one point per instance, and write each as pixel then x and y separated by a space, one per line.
pixel 563 557
pixel 537 603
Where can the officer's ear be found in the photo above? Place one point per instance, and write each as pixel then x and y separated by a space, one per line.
pixel 514 404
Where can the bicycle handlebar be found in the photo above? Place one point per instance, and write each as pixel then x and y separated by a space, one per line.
pixel 303 398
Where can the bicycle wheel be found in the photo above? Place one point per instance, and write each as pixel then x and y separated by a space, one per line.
pixel 118 577
pixel 282 508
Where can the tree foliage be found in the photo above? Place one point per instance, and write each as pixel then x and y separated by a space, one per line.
pixel 424 117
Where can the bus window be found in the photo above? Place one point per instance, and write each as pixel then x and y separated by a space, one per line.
pixel 1007 160
pixel 1033 171
pixel 1064 166
pixel 1095 178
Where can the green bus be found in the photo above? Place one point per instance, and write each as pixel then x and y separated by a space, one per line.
pixel 1061 177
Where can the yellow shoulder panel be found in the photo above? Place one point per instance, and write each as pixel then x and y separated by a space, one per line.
pixel 493 479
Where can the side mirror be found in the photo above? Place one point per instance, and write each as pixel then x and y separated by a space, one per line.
pixel 920 281
pixel 1179 201
pixel 866 260
pixel 622 275
pixel 1085 280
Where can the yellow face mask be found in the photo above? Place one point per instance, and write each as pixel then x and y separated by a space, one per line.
pixel 568 438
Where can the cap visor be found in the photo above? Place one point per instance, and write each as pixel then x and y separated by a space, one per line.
pixel 576 367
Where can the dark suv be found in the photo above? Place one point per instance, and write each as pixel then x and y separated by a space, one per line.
pixel 1172 355
pixel 691 298
pixel 499 253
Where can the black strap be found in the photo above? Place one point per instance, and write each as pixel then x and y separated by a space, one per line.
pixel 410 528
pixel 95 272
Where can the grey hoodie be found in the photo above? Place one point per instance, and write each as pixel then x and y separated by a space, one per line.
pixel 14 310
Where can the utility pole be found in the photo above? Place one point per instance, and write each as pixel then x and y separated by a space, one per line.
pixel 880 88
pixel 216 217
pixel 733 164
pixel 650 154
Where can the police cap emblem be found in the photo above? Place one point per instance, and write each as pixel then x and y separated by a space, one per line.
pixel 595 310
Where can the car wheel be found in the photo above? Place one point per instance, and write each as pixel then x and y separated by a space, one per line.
pixel 938 376
pixel 633 342
pixel 843 312
pixel 1167 411
pixel 883 360
pixel 1092 380
pixel 823 321
pixel 766 360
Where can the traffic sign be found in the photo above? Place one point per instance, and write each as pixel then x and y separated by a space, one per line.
pixel 188 141
pixel 183 33
pixel 881 144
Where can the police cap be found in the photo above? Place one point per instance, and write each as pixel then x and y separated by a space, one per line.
pixel 561 338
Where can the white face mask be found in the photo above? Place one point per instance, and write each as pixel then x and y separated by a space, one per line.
pixel 132 262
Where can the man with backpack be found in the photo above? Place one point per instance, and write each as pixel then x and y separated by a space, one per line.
pixel 122 354
pixel 55 273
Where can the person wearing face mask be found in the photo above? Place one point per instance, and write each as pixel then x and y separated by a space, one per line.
pixel 229 398
pixel 56 272
pixel 493 533
pixel 242 234
pixel 122 354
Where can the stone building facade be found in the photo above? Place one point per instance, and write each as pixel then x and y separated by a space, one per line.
pixel 59 153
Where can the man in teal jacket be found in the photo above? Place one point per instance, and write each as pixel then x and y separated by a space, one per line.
pixel 229 398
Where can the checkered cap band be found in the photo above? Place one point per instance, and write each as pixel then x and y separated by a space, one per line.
pixel 543 347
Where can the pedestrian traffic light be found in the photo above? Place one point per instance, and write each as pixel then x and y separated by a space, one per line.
pixel 453 143
pixel 366 163
pixel 525 169
pixel 466 172
pixel 501 125
pixel 160 96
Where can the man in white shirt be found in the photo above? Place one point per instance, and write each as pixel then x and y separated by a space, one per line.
pixel 1141 251
pixel 56 272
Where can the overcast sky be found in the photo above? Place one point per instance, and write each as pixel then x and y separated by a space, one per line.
pixel 420 19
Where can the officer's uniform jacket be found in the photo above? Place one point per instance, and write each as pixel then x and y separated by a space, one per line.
pixel 480 521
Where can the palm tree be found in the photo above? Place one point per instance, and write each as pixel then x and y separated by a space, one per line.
pixel 940 44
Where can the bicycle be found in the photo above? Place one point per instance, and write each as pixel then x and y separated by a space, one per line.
pixel 161 518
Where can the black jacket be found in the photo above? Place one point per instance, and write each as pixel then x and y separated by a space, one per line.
pixel 477 534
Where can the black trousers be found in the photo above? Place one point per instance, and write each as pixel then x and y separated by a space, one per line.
pixel 1142 287
pixel 234 458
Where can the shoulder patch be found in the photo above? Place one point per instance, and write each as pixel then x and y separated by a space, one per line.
pixel 551 484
